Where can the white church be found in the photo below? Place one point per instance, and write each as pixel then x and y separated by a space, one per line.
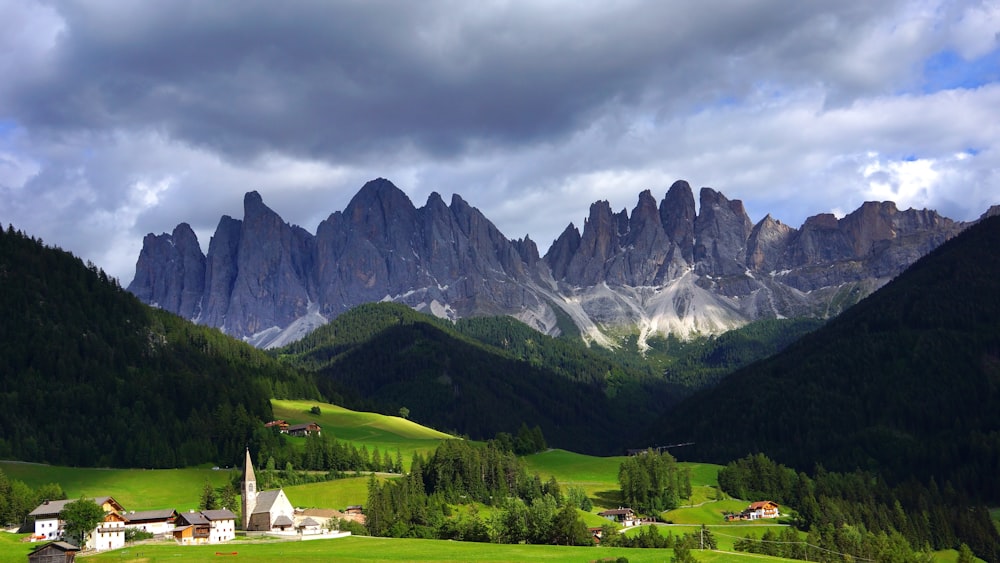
pixel 264 511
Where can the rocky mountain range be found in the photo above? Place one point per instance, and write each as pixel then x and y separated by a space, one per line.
pixel 667 267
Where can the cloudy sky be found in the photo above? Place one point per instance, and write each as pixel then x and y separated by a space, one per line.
pixel 119 119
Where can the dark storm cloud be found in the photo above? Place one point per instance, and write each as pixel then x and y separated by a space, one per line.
pixel 351 80
pixel 120 118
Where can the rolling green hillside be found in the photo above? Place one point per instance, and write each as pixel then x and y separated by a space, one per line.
pixel 385 356
pixel 92 377
pixel 907 382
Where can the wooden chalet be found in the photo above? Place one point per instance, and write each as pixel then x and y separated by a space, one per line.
pixel 624 516
pixel 54 552
pixel 304 429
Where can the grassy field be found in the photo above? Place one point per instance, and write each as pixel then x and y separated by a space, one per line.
pixel 12 549
pixel 384 549
pixel 598 476
pixel 330 494
pixel 135 489
pixel 387 433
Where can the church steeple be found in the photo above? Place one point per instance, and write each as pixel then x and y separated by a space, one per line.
pixel 249 491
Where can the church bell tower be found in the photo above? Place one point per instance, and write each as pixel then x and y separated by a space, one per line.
pixel 249 491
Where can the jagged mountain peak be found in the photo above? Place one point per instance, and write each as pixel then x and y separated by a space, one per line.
pixel 663 267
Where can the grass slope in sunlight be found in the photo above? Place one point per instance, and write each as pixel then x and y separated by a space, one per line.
pixel 135 489
pixel 372 430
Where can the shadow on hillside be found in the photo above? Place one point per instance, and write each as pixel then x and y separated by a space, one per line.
pixel 608 499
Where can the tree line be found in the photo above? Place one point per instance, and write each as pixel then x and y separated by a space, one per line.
pixel 420 504
pixel 859 513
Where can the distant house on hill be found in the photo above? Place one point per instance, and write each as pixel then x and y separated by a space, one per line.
pixel 624 516
pixel 54 552
pixel 281 425
pixel 763 509
pixel 304 429
pixel 109 533
pixel 756 511
pixel 207 526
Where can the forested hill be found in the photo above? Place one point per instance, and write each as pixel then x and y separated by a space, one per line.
pixel 92 377
pixel 385 356
pixel 907 382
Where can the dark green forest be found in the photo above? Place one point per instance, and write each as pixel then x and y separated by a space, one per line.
pixel 384 356
pixel 92 377
pixel 860 514
pixel 905 384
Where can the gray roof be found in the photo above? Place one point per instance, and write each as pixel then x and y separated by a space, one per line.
pixel 193 517
pixel 220 514
pixel 60 545
pixel 282 520
pixel 308 522
pixel 150 515
pixel 54 507
pixel 265 500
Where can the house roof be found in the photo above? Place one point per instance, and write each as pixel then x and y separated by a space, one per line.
pixel 193 518
pixel 52 508
pixel 151 515
pixel 762 504
pixel 616 512
pixel 308 522
pixel 60 545
pixel 220 514
pixel 306 426
pixel 282 520
pixel 265 500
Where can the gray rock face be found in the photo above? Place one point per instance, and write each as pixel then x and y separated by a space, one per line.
pixel 170 272
pixel 662 268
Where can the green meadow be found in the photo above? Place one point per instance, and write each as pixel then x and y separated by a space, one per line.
pixel 388 549
pixel 329 494
pixel 135 489
pixel 372 430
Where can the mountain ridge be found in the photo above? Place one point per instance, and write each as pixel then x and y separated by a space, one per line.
pixel 666 267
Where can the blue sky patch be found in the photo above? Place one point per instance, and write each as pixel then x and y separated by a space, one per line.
pixel 947 70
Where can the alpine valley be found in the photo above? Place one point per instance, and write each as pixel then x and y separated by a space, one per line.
pixel 664 268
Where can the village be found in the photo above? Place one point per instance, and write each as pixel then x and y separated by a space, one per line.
pixel 263 513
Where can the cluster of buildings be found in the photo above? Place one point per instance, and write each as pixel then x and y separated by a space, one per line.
pixel 266 512
pixel 206 526
pixel 304 429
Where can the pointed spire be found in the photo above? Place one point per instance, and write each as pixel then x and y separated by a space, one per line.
pixel 248 470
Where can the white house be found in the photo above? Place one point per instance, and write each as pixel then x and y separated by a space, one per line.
pixel 160 523
pixel 208 526
pixel 222 525
pixel 109 534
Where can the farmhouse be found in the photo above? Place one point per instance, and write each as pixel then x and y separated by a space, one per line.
pixel 281 425
pixel 264 511
pixel 109 534
pixel 762 509
pixel 756 510
pixel 623 516
pixel 160 523
pixel 207 526
pixel 304 429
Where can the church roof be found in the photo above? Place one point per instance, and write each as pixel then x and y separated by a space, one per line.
pixel 248 469
pixel 265 500
pixel 282 520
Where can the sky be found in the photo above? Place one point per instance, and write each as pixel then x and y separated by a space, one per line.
pixel 122 118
